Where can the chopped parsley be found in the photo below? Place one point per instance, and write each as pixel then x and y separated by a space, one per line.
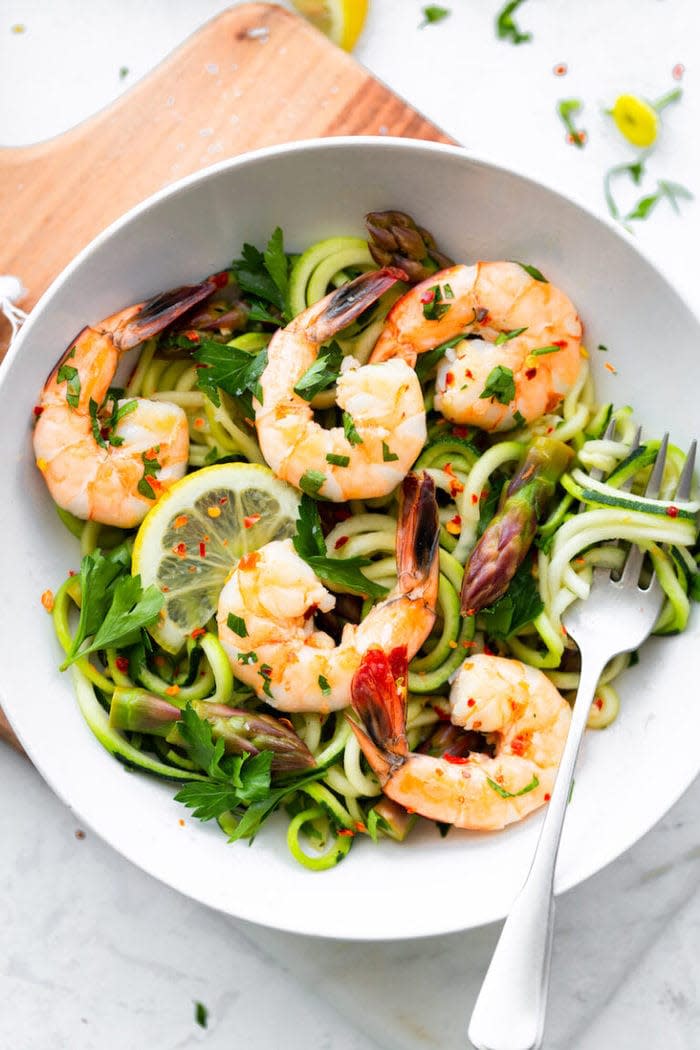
pixel 513 794
pixel 536 274
pixel 350 430
pixel 247 658
pixel 566 107
pixel 312 482
pixel 228 368
pixel 435 307
pixel 506 26
pixel 337 461
pixel 237 625
pixel 500 385
pixel 505 337
pixel 151 466
pixel 434 13
pixel 427 361
pixel 265 673
pixel 323 372
pixel 264 279
pixel 69 374
pixel 324 685
pixel 103 428
pixel 518 418
pixel 387 455
pixel 517 607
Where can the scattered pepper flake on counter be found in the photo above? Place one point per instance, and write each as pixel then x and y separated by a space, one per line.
pixel 434 13
pixel 561 69
pixel 79 834
pixel 678 71
pixel 47 600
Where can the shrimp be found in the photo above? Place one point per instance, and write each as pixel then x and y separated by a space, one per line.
pixel 265 614
pixel 515 705
pixel 112 471
pixel 527 356
pixel 384 415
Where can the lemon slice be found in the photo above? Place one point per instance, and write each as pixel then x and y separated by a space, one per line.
pixel 189 542
pixel 342 21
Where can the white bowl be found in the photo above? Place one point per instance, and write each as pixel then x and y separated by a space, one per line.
pixel 628 776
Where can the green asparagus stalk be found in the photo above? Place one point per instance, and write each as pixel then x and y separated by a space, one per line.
pixel 507 539
pixel 395 240
pixel 241 731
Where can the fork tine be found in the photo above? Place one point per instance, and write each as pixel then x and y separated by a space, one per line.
pixel 635 558
pixel 686 478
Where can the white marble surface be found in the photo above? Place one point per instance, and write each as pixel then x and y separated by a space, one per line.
pixel 97 955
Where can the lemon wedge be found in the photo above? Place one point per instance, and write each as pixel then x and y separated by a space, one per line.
pixel 342 21
pixel 189 542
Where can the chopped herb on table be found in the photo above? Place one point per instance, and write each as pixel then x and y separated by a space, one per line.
pixel 506 26
pixel 434 13
pixel 566 107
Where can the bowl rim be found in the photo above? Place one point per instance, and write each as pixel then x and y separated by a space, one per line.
pixel 172 190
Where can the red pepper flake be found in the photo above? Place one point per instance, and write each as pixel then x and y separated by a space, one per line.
pixel 38 409
pixel 475 498
pixel 449 378
pixel 454 525
pixel 427 297
pixel 471 702
pixel 468 373
pixel 598 702
pixel 165 590
pixel 180 520
pixel 460 432
pixel 250 520
pixel 550 430
pixel 199 422
pixel 518 745
pixel 172 690
pixel 456 760
pixel 469 645
pixel 223 500
pixel 547 797
pixel 249 561
pixel 561 69
pixel 340 542
pixel 72 572
pixel 192 335
pixel 610 368
pixel 181 822
pixel 487 649
pixel 311 611
pixel 347 833
pixel 180 549
pixel 219 279
pixel 578 136
pixel 672 512
pixel 442 714
pixel 360 826
pixel 559 342
pixel 79 834
pixel 202 549
pixel 198 632
pixel 678 71
pixel 530 373
pixel 122 664
pixel 456 485
pixel 410 809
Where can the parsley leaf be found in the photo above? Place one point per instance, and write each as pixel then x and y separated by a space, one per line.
pixel 69 375
pixel 324 685
pixel 518 606
pixel 312 482
pixel 323 372
pixel 276 263
pixel 231 369
pixel 433 13
pixel 201 1014
pixel 311 546
pixel 427 361
pixel 435 307
pixel 114 606
pixel 387 455
pixel 506 26
pixel 513 794
pixel 500 385
pixel 264 276
pixel 151 466
pixel 237 625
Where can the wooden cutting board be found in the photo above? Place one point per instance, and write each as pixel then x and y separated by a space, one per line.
pixel 256 75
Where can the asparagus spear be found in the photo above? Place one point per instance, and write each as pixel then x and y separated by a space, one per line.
pixel 242 731
pixel 395 240
pixel 507 539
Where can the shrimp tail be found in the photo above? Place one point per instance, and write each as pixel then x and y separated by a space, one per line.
pixel 341 307
pixel 379 698
pixel 418 535
pixel 129 329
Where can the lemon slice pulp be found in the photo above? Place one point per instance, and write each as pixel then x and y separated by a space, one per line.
pixel 342 21
pixel 189 542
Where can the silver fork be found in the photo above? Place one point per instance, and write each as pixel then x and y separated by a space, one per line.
pixel 616 617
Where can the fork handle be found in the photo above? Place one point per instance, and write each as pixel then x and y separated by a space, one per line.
pixel 509 1012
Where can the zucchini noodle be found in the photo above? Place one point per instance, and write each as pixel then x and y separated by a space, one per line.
pixel 471 469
